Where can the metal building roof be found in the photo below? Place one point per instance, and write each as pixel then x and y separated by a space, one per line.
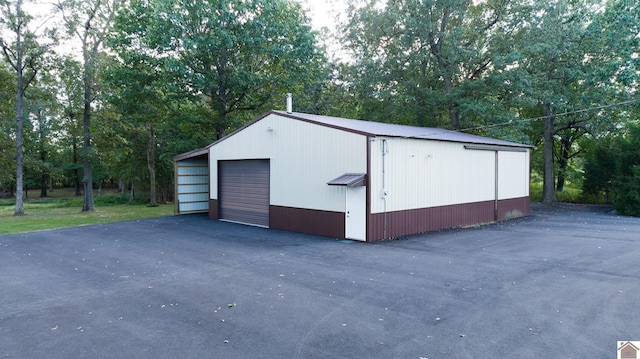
pixel 371 128
pixel 201 153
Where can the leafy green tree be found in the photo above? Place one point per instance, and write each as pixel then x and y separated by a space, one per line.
pixel 25 55
pixel 69 125
pixel 7 115
pixel 424 61
pixel 626 181
pixel 230 56
pixel 137 91
pixel 89 22
pixel 559 58
pixel 599 168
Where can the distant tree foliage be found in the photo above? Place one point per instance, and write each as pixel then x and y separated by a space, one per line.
pixel 612 169
pixel 232 56
pixel 488 66
pixel 139 81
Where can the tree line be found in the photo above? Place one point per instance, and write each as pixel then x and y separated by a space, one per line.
pixel 106 92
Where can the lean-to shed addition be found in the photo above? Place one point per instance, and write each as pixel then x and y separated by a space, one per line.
pixel 363 180
pixel 191 171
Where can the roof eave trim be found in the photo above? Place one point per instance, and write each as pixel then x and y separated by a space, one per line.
pixel 191 154
pixel 480 147
pixel 337 127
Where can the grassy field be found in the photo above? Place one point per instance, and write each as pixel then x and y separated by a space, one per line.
pixel 571 194
pixel 62 210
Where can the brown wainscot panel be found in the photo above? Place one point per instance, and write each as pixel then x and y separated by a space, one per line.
pixel 324 223
pixel 213 209
pixel 404 223
pixel 514 208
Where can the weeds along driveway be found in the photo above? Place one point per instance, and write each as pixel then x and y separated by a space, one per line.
pixel 563 282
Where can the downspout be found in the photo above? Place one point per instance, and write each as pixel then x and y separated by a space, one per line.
pixel 385 150
pixel 495 202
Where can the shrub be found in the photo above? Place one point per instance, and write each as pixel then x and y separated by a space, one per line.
pixel 613 167
pixel 627 192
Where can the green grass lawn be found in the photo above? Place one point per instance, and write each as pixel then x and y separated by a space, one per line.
pixel 571 194
pixel 61 212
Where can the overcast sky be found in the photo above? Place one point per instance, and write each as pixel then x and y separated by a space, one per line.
pixel 323 14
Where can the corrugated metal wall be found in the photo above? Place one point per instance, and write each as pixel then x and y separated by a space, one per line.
pixel 244 191
pixel 513 174
pixel 303 157
pixel 422 174
pixel 192 186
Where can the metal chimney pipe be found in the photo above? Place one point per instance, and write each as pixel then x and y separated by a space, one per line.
pixel 289 103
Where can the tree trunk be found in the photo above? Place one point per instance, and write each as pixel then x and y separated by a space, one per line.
pixel 548 184
pixel 76 173
pixel 454 117
pixel 219 95
pixel 151 165
pixel 454 114
pixel 87 179
pixel 563 163
pixel 44 178
pixel 44 184
pixel 19 210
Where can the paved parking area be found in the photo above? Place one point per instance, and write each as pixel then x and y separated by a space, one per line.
pixel 563 282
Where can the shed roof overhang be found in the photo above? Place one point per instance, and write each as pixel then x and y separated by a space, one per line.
pixel 349 180
pixel 201 153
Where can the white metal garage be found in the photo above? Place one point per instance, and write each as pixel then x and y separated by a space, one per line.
pixel 363 180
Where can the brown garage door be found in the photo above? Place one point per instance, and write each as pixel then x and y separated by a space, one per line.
pixel 244 191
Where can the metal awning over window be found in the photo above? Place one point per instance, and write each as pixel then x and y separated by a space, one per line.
pixel 349 180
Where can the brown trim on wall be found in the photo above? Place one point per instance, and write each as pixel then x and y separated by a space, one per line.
pixel 213 209
pixel 513 208
pixel 324 223
pixel 404 223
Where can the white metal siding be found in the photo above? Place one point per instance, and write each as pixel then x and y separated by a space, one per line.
pixel 192 187
pixel 303 157
pixel 513 174
pixel 423 173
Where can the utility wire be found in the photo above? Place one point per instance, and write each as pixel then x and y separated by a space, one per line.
pixel 555 115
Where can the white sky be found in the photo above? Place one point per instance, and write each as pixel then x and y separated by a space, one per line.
pixel 323 14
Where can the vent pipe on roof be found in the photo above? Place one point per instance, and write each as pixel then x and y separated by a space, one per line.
pixel 289 103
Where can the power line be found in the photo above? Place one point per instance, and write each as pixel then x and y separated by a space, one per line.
pixel 555 115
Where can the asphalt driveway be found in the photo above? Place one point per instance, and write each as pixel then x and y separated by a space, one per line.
pixel 562 283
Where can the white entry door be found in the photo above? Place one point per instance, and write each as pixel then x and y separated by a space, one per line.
pixel 356 213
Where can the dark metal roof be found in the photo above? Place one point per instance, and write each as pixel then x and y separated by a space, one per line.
pixel 349 180
pixel 370 128
pixel 201 153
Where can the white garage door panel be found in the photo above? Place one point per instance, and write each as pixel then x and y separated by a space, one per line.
pixel 193 169
pixel 192 187
pixel 191 179
pixel 193 197
pixel 200 188
pixel 244 191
